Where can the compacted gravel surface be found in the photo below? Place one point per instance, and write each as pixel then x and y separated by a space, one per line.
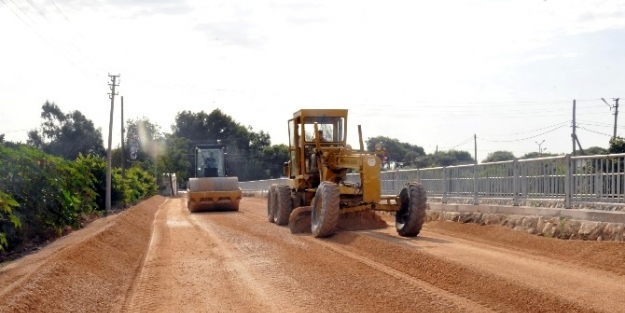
pixel 158 257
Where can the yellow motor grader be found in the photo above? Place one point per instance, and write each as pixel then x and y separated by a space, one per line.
pixel 319 160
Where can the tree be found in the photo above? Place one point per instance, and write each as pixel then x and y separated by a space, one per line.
pixel 617 145
pixel 258 142
pixel 245 147
pixel 396 150
pixel 66 135
pixel 174 158
pixel 410 157
pixel 444 158
pixel 274 158
pixel 499 156
pixel 533 155
pixel 1 138
pixel 595 150
pixel 146 134
pixel 202 127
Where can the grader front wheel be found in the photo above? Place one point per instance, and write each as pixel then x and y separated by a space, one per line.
pixel 325 211
pixel 411 215
pixel 272 201
pixel 283 205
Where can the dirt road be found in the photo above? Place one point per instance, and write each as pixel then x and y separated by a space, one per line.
pixel 239 262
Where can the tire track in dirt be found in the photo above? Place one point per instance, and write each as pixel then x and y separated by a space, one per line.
pixel 252 264
pixel 531 271
pixel 366 286
pixel 601 255
pixel 488 274
pixel 462 304
pixel 159 236
pixel 187 270
pixel 486 288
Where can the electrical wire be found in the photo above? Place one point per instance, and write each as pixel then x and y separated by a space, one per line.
pixel 36 8
pixel 537 129
pixel 462 143
pixel 598 124
pixel 59 10
pixel 594 131
pixel 65 54
pixel 547 132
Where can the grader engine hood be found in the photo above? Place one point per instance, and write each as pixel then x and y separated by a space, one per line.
pixel 368 166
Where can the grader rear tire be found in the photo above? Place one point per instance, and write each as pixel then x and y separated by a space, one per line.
pixel 411 215
pixel 325 212
pixel 271 203
pixel 284 205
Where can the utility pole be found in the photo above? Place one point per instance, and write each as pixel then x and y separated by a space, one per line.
pixel 540 150
pixel 112 95
pixel 573 133
pixel 475 147
pixel 123 151
pixel 615 112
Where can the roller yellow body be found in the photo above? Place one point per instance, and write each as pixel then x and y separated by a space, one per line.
pixel 214 194
pixel 211 189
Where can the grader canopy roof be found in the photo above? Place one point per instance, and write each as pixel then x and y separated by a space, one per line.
pixel 331 122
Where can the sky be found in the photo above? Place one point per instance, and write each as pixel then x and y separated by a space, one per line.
pixel 431 73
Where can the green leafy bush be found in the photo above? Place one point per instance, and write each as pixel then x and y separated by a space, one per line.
pixel 41 195
pixel 7 218
pixel 50 193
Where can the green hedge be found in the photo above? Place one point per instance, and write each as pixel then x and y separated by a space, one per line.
pixel 42 195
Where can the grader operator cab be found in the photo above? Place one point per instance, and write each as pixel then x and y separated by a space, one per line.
pixel 211 189
pixel 319 160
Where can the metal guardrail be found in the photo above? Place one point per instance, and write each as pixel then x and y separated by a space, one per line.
pixel 597 180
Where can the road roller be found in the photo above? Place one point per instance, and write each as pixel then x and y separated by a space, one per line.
pixel 212 189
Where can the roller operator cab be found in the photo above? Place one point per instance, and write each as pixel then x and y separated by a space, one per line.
pixel 317 168
pixel 211 189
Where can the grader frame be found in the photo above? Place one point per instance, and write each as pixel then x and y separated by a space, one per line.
pixel 319 160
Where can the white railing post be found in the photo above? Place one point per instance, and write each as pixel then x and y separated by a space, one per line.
pixel 568 181
pixel 475 185
pixel 444 200
pixel 515 182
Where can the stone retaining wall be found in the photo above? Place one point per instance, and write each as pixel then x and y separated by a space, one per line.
pixel 555 223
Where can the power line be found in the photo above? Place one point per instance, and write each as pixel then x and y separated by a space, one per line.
pixel 598 124
pixel 594 131
pixel 59 10
pixel 547 132
pixel 36 8
pixel 462 143
pixel 537 129
pixel 31 26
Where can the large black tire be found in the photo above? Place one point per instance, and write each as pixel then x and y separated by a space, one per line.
pixel 411 215
pixel 284 206
pixel 271 203
pixel 325 213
